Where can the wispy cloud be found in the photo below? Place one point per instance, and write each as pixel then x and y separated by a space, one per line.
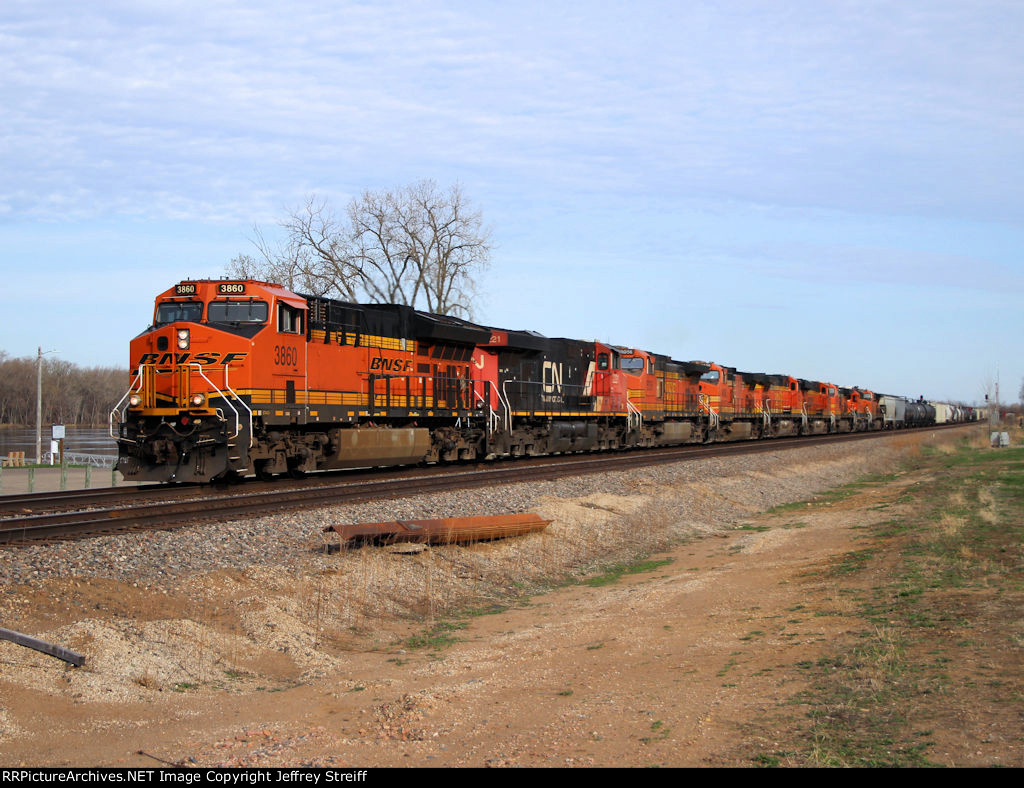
pixel 844 105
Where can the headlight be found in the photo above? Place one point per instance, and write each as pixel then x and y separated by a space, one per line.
pixel 135 400
pixel 198 399
pixel 183 338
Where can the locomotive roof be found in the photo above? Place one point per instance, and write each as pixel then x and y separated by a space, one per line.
pixel 693 367
pixel 446 328
pixel 398 320
pixel 525 340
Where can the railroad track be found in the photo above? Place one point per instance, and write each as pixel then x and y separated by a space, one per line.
pixel 157 506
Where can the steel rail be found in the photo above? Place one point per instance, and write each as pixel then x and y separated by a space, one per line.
pixel 240 502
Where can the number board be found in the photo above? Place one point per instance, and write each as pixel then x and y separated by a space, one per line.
pixel 230 288
pixel 185 288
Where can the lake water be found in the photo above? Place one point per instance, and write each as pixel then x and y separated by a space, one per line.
pixel 85 440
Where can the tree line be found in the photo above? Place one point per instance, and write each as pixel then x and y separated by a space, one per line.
pixel 71 394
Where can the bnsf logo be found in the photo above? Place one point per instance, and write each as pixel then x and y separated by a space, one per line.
pixel 391 364
pixel 205 359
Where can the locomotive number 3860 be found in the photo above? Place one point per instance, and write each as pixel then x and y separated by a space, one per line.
pixel 286 356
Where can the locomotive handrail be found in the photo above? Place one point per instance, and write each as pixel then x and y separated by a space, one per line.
pixel 712 413
pixel 252 439
pixel 503 399
pixel 492 417
pixel 633 415
pixel 238 421
pixel 464 400
pixel 131 388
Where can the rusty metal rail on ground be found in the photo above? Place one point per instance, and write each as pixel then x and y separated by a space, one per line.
pixel 446 530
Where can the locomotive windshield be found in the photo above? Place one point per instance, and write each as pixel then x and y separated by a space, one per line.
pixel 237 312
pixel 710 377
pixel 179 312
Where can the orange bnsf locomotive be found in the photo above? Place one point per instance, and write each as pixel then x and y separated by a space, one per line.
pixel 239 378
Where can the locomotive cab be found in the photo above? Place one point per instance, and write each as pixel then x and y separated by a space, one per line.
pixel 187 415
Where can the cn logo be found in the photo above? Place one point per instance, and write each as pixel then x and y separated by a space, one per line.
pixel 552 377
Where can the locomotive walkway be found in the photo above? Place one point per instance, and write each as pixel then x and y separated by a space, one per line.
pixel 31 518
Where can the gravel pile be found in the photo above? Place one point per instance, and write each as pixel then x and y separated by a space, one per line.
pixel 734 488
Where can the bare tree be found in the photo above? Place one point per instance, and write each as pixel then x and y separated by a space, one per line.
pixel 291 263
pixel 416 245
pixel 449 246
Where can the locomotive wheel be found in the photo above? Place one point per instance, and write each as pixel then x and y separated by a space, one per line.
pixel 262 473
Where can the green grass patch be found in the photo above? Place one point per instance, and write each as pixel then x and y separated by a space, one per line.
pixel 437 637
pixel 726 668
pixel 616 572
pixel 659 730
pixel 796 506
pixel 487 610
pixel 853 562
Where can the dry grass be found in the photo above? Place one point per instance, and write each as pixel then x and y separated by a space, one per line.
pixel 148 680
pixel 950 524
pixel 987 507
pixel 908 443
pixel 371 583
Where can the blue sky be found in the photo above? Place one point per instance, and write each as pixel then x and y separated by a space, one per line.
pixel 829 189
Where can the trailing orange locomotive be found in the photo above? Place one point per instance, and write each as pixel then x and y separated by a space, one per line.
pixel 244 377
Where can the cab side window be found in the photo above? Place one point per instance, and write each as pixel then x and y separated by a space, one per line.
pixel 289 319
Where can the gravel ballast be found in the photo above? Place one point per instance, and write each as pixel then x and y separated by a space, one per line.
pixel 735 487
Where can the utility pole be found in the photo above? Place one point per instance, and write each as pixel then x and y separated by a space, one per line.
pixel 39 404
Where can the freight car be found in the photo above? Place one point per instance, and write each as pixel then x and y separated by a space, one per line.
pixel 240 377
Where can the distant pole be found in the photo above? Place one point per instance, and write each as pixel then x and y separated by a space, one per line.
pixel 39 404
pixel 39 407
